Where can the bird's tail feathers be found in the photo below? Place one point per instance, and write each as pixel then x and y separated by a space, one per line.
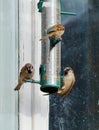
pixel 46 37
pixel 18 86
pixel 47 94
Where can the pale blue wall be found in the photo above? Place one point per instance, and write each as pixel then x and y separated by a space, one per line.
pixel 8 64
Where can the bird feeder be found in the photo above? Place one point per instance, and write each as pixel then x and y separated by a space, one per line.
pixel 51 49
pixel 50 68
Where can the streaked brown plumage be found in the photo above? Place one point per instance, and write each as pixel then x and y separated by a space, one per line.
pixel 55 31
pixel 26 72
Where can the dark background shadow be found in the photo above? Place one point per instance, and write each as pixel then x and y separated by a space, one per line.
pixel 80 50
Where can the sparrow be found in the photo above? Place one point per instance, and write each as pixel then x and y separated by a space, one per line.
pixel 26 72
pixel 68 82
pixel 55 31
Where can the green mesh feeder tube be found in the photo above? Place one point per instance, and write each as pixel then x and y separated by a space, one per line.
pixel 51 55
pixel 47 85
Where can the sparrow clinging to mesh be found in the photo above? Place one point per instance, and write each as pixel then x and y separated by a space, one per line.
pixel 68 81
pixel 55 31
pixel 26 72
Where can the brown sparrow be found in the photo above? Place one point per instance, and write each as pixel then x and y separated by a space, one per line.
pixel 26 72
pixel 55 31
pixel 68 81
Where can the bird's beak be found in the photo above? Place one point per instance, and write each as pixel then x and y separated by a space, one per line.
pixel 29 71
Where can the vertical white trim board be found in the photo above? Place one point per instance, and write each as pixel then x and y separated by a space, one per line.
pixel 33 106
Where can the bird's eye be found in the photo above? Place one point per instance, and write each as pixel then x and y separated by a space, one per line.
pixel 68 69
pixel 65 72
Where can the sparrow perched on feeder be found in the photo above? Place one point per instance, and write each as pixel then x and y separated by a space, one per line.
pixel 68 81
pixel 26 72
pixel 55 31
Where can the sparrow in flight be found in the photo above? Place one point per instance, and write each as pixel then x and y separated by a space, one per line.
pixel 55 31
pixel 26 72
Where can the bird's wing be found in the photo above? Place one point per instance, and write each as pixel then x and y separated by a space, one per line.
pixel 66 92
pixel 53 28
pixel 56 27
pixel 22 72
pixel 47 36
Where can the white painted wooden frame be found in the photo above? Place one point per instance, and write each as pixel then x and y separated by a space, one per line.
pixel 33 106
